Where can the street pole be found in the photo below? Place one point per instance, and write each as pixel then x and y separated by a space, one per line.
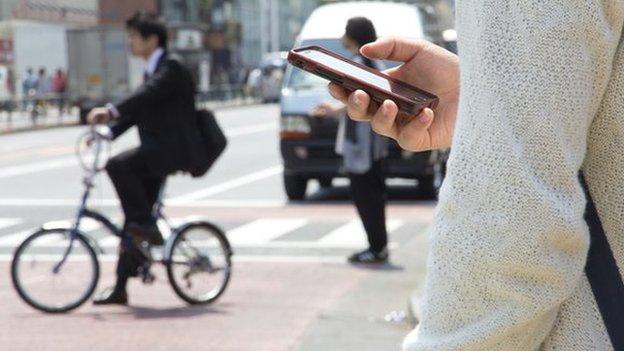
pixel 263 25
pixel 275 42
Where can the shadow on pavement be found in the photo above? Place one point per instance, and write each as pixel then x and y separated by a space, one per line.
pixel 173 312
pixel 379 267
pixel 138 312
pixel 396 194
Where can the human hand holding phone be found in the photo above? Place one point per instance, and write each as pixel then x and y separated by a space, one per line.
pixel 327 109
pixel 424 65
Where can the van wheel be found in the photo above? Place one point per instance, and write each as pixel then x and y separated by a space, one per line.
pixel 295 187
pixel 325 182
pixel 429 186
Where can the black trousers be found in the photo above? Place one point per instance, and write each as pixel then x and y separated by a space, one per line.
pixel 368 191
pixel 137 187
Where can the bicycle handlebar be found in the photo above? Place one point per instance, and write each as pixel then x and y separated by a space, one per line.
pixel 90 147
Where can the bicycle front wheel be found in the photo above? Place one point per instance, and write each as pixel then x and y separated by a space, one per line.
pixel 199 265
pixel 54 272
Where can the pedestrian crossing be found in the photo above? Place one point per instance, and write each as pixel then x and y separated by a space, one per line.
pixel 260 233
pixel 263 230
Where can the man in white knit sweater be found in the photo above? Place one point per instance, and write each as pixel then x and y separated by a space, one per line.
pixel 542 85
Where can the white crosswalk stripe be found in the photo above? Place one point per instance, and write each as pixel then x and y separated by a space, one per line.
pixel 263 230
pixel 109 241
pixel 87 225
pixel 12 240
pixel 265 233
pixel 9 222
pixel 352 234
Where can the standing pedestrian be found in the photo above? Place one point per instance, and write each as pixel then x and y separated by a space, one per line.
pixel 59 88
pixel 44 88
pixel 362 152
pixel 29 88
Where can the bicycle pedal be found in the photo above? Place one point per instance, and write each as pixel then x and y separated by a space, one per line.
pixel 148 278
pixel 144 247
pixel 146 275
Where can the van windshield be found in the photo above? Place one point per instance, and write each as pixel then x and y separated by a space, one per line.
pixel 300 79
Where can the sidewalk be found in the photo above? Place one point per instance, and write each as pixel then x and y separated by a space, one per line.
pixel 374 315
pixel 20 121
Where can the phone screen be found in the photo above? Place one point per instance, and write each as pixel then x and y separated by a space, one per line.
pixel 357 72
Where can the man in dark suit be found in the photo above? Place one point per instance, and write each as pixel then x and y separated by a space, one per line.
pixel 163 109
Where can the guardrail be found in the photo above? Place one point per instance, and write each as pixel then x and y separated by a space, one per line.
pixel 52 110
pixel 36 111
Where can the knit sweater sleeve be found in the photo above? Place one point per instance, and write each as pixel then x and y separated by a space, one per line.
pixel 509 243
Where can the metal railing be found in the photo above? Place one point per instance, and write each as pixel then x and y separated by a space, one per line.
pixel 51 110
pixel 36 111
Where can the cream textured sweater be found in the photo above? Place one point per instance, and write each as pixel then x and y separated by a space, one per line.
pixel 542 96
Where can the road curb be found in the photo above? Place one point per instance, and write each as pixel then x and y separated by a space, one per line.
pixel 39 127
pixel 413 309
pixel 213 105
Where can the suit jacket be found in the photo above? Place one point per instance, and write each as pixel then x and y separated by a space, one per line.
pixel 163 109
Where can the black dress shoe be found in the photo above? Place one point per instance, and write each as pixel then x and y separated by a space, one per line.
pixel 111 296
pixel 147 232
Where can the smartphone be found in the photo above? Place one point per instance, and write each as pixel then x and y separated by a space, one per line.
pixel 352 75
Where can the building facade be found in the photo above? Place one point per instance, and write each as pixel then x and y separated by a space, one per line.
pixel 118 11
pixel 69 12
pixel 270 25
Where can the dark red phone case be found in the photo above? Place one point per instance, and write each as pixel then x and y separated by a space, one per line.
pixel 411 105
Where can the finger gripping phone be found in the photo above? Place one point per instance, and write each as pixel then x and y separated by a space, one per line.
pixel 352 75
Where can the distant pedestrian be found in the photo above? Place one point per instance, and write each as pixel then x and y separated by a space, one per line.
pixel 59 88
pixel 59 82
pixel 30 83
pixel 44 88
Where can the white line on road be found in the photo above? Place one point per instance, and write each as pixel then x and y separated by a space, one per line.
pixel 113 241
pixel 231 203
pixel 352 234
pixel 13 240
pixel 70 161
pixel 13 202
pixel 229 185
pixel 236 258
pixel 13 171
pixel 9 222
pixel 257 128
pixel 263 230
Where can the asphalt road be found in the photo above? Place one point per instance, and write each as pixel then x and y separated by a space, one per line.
pixel 289 257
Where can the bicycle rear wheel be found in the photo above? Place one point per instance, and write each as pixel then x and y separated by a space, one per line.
pixel 199 265
pixel 54 273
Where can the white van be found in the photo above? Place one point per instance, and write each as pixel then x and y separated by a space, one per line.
pixel 307 144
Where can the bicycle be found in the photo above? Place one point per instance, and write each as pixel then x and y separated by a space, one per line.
pixel 56 269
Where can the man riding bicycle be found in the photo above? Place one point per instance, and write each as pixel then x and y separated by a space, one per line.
pixel 163 109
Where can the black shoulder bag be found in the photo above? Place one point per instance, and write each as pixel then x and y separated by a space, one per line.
pixel 604 276
pixel 212 143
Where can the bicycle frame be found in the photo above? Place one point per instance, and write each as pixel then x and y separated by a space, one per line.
pixel 88 182
pixel 84 211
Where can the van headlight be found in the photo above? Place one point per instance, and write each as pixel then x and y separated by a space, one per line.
pixel 295 127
